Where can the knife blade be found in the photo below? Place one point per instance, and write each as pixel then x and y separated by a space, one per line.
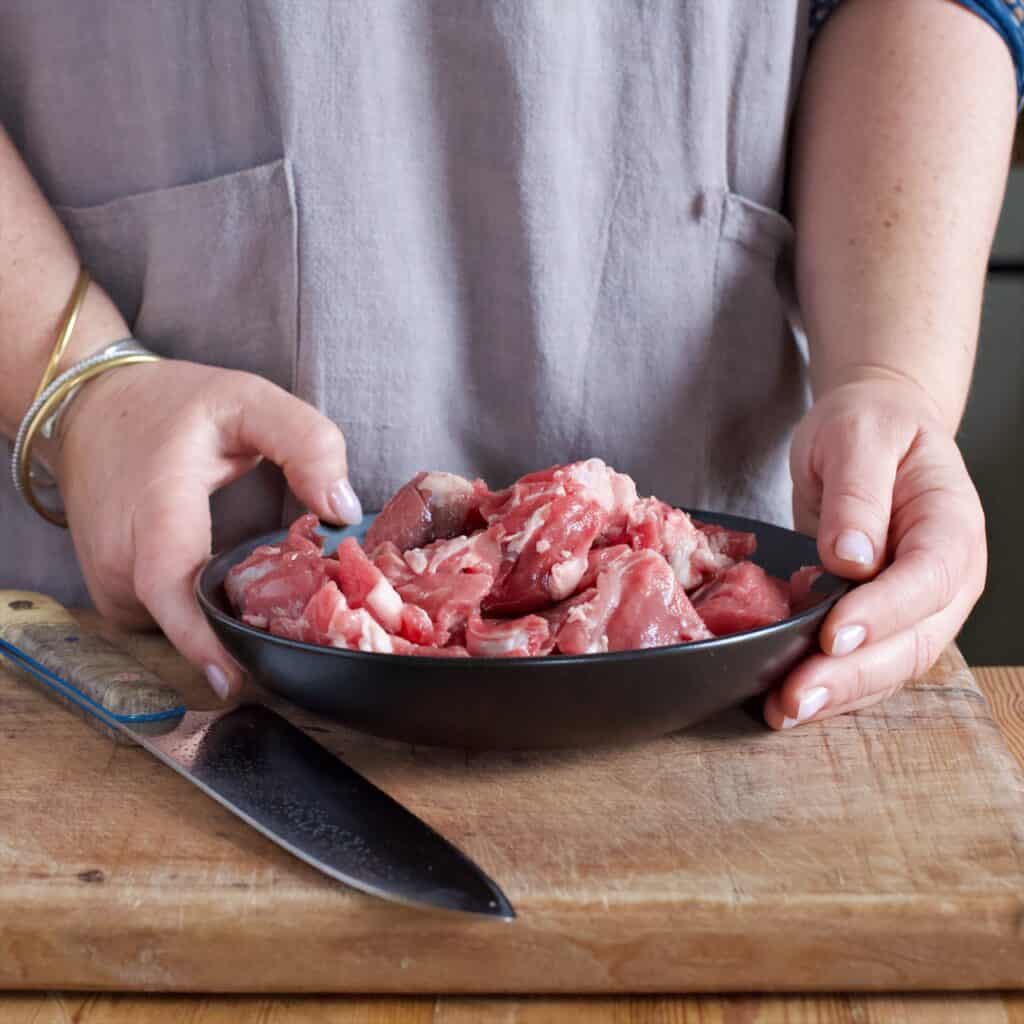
pixel 252 761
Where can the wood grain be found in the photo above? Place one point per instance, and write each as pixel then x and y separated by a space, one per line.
pixel 99 671
pixel 58 1008
pixel 878 851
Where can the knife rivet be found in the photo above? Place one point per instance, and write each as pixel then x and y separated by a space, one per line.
pixel 20 606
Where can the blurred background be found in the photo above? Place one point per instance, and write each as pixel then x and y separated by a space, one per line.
pixel 992 439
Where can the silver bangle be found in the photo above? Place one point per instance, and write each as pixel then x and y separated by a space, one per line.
pixel 51 426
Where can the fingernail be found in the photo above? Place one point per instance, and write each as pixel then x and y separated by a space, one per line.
pixel 218 681
pixel 344 503
pixel 809 706
pixel 848 639
pixel 854 546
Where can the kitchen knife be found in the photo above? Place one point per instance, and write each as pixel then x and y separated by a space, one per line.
pixel 253 762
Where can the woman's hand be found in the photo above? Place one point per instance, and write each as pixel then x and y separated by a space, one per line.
pixel 143 449
pixel 882 483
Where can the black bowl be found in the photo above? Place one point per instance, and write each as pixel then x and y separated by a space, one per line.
pixel 557 701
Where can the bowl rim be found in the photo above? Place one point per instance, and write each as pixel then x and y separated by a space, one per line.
pixel 838 587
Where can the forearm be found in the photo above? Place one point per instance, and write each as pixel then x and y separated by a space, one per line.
pixel 901 146
pixel 38 268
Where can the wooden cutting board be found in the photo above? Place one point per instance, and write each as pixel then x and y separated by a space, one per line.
pixel 883 850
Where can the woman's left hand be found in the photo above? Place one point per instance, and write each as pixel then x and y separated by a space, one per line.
pixel 880 480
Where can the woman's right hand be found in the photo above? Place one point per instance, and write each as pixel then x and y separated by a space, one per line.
pixel 143 449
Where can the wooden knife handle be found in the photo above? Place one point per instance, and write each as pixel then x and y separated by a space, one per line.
pixel 81 669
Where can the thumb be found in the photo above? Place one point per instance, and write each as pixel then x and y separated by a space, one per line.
pixel 857 479
pixel 305 444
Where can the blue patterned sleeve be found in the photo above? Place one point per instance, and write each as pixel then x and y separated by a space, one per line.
pixel 1005 16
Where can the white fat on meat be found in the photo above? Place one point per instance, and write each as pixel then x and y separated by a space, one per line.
pixel 372 636
pixel 564 577
pixel 476 553
pixel 441 486
pixel 681 560
pixel 238 582
pixel 416 560
pixel 500 646
pixel 356 629
pixel 514 543
pixel 593 615
pixel 614 492
pixel 386 605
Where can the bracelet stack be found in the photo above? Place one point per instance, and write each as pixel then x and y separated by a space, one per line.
pixel 55 394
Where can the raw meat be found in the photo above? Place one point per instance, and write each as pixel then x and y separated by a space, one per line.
pixel 696 552
pixel 277 581
pixel 734 544
pixel 565 560
pixel 507 638
pixel 431 506
pixel 743 597
pixel 365 586
pixel 451 651
pixel 637 602
pixel 598 559
pixel 328 620
pixel 448 599
pixel 447 580
pixel 801 597
pixel 544 543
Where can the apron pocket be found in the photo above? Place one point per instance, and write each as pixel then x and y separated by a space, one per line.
pixel 760 382
pixel 208 272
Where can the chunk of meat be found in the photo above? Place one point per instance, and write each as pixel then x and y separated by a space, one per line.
pixel 392 564
pixel 801 596
pixel 742 597
pixel 696 552
pixel 277 581
pixel 447 579
pixel 734 544
pixel 480 552
pixel 653 525
pixel 431 506
pixel 598 559
pixel 449 599
pixel 591 478
pixel 637 602
pixel 364 585
pixel 328 620
pixel 524 637
pixel 544 547
pixel 428 651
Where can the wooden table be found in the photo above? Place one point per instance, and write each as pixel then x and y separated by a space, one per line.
pixel 1005 690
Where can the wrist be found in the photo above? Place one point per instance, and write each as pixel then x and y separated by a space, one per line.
pixel 45 414
pixel 899 385
pixel 99 323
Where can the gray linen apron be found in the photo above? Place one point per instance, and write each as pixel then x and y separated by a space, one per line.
pixel 482 236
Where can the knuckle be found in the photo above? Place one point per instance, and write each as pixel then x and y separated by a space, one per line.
pixel 318 442
pixel 854 492
pixel 239 389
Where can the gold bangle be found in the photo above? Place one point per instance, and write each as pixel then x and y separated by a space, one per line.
pixel 67 327
pixel 42 413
